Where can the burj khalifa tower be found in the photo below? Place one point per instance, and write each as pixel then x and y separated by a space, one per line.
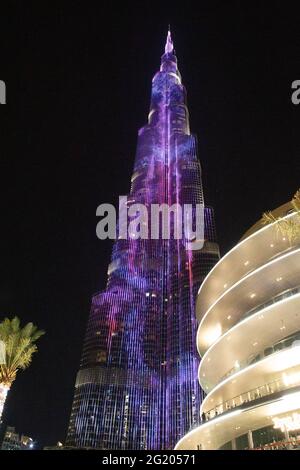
pixel 137 385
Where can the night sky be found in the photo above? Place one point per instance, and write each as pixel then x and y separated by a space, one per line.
pixel 78 80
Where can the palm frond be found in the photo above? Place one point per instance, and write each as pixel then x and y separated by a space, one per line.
pixel 19 347
pixel 286 227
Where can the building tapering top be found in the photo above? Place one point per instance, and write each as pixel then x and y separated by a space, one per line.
pixel 169 43
pixel 168 59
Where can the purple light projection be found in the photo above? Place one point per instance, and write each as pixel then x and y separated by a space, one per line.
pixel 137 386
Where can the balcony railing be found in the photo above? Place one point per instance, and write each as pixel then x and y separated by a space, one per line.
pixel 274 300
pixel 278 385
pixel 253 358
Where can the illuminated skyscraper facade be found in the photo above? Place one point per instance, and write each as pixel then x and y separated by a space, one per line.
pixel 137 385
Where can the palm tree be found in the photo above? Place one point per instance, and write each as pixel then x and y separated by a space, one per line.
pixel 17 345
pixel 289 228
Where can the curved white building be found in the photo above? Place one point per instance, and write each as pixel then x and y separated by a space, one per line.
pixel 249 340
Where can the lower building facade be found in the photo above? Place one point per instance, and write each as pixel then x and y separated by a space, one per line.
pixel 249 313
pixel 13 441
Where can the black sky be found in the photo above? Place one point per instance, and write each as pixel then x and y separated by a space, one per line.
pixel 78 82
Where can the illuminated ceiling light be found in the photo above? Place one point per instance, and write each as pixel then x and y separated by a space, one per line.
pixel 288 423
pixel 246 263
pixel 208 359
pixel 213 334
pixel 292 399
pixel 238 427
pixel 291 379
pixel 284 239
pixel 252 295
pixel 272 245
pixel 282 326
pixel 229 316
pixel 147 294
pixel 225 285
pixel 255 344
pixel 261 317
pixel 278 279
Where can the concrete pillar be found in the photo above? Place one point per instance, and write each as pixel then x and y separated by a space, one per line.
pixel 250 440
pixel 286 434
pixel 287 437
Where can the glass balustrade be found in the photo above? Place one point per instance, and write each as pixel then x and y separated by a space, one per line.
pixel 253 358
pixel 277 385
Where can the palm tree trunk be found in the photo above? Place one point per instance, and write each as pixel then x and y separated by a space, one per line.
pixel 3 394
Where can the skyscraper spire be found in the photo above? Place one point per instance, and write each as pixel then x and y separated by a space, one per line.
pixel 169 43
